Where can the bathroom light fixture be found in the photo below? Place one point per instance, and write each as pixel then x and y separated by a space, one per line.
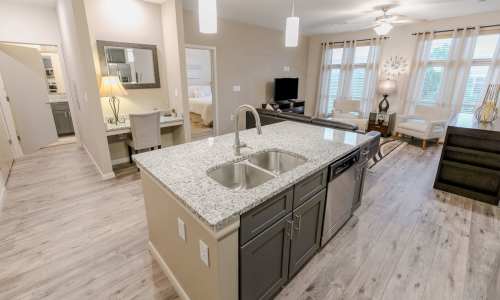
pixel 383 29
pixel 292 29
pixel 207 16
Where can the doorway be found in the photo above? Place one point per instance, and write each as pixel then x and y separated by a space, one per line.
pixel 202 90
pixel 33 96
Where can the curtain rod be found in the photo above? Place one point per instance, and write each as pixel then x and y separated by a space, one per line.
pixel 363 40
pixel 459 29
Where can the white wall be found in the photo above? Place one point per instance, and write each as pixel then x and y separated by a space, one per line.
pixel 251 57
pixel 130 21
pixel 28 23
pixel 78 55
pixel 401 43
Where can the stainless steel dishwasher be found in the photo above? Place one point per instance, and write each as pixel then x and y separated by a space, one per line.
pixel 343 181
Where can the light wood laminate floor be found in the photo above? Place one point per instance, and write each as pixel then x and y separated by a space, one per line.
pixel 65 234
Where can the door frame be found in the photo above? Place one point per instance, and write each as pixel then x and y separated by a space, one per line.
pixel 8 119
pixel 69 95
pixel 215 84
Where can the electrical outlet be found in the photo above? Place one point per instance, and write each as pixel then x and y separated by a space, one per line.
pixel 236 88
pixel 176 92
pixel 181 229
pixel 286 68
pixel 204 253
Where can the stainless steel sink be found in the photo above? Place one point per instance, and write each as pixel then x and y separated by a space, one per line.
pixel 240 176
pixel 276 161
pixel 256 169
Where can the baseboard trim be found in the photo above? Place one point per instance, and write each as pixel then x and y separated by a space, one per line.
pixel 104 176
pixel 166 270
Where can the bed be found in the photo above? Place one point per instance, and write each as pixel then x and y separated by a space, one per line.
pixel 200 102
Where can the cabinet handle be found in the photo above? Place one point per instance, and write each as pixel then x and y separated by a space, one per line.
pixel 299 221
pixel 290 229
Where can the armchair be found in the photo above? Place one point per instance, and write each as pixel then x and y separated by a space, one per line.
pixel 427 123
pixel 349 111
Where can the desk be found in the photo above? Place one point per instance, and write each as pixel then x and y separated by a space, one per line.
pixel 124 128
pixel 121 132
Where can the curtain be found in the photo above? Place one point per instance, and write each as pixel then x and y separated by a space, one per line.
pixel 323 82
pixel 371 77
pixel 344 92
pixel 457 70
pixel 420 60
pixel 493 76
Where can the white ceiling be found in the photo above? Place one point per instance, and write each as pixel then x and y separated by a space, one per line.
pixel 329 16
pixel 35 2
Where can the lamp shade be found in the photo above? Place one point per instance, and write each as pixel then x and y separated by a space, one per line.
pixel 111 86
pixel 387 87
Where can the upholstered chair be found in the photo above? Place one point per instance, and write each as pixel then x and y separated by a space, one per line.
pixel 146 133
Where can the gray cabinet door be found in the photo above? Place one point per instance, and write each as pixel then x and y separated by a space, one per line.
pixel 264 262
pixel 62 118
pixel 307 226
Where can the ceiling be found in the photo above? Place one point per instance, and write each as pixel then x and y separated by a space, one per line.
pixel 35 2
pixel 330 16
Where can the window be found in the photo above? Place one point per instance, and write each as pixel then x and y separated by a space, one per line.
pixel 440 51
pixel 481 62
pixel 484 51
pixel 359 62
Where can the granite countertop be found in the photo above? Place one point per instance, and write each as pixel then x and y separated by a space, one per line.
pixel 183 169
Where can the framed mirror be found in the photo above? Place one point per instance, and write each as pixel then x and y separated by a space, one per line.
pixel 135 64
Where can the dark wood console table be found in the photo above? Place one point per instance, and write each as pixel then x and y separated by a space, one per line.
pixel 470 161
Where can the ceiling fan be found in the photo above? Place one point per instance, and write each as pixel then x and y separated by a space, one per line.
pixel 383 24
pixel 381 20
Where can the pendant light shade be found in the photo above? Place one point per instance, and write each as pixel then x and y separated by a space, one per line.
pixel 207 16
pixel 292 29
pixel 383 28
pixel 292 32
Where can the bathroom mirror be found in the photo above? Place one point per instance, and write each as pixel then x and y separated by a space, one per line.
pixel 135 64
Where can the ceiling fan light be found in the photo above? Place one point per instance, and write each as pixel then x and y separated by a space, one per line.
pixel 292 32
pixel 383 28
pixel 207 16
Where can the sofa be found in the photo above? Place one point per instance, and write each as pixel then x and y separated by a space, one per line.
pixel 270 117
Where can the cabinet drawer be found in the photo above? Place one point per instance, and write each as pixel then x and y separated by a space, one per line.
pixel 258 219
pixel 477 179
pixel 309 187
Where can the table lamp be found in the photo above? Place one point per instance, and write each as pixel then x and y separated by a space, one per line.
pixel 112 88
pixel 386 87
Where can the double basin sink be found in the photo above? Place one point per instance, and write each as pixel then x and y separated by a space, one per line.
pixel 256 169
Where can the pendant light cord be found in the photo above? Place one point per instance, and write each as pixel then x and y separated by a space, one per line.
pixel 293 8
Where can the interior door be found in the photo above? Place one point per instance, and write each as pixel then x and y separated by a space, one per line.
pixel 24 81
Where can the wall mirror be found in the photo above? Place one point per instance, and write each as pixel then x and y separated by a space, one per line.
pixel 135 64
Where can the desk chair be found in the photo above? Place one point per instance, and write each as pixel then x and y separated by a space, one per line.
pixel 146 133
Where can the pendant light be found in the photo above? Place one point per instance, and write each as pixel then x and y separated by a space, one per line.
pixel 207 16
pixel 292 29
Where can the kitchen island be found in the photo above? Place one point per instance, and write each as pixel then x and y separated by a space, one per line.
pixel 194 221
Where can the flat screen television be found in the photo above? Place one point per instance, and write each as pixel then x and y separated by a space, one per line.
pixel 286 88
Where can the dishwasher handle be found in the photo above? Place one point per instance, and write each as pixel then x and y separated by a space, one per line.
pixel 340 167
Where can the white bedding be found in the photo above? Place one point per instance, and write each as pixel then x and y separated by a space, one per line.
pixel 203 107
